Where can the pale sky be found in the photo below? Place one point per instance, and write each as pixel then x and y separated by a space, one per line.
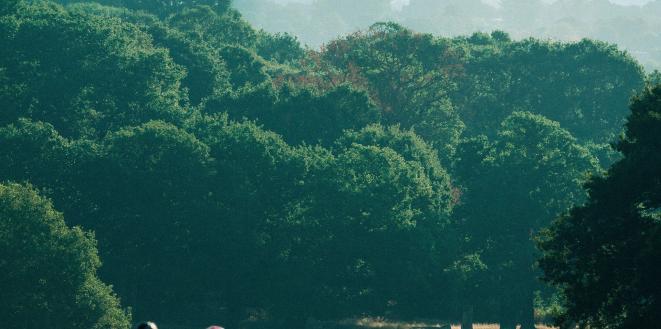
pixel 398 4
pixel 631 2
pixel 401 3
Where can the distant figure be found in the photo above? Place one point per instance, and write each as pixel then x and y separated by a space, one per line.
pixel 146 325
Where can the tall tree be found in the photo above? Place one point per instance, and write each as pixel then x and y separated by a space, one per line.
pixel 217 28
pixel 408 75
pixel 206 72
pixel 255 191
pixel 71 79
pixel 369 230
pixel 585 86
pixel 532 172
pixel 150 190
pixel 604 255
pixel 48 270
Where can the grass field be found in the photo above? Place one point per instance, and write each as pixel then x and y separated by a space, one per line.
pixel 379 323
pixel 368 323
pixel 495 326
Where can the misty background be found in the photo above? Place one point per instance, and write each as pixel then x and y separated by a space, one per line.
pixel 635 25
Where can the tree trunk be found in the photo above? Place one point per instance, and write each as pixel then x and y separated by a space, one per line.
pixel 467 316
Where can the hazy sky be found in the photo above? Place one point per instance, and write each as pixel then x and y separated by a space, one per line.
pixel 631 2
pixel 400 3
pixel 636 31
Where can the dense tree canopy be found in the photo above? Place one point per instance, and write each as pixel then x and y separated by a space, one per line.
pixel 232 176
pixel 530 173
pixel 206 71
pixel 48 270
pixel 302 115
pixel 71 80
pixel 604 255
pixel 408 75
pixel 585 86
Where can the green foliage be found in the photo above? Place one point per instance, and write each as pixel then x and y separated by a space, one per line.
pixel 407 75
pixel 410 146
pixel 548 309
pixel 203 23
pixel 71 80
pixel 225 169
pixel 8 6
pixel 550 162
pixel 542 147
pixel 514 186
pixel 300 115
pixel 258 184
pixel 163 8
pixel 569 83
pixel 368 236
pixel 246 69
pixel 603 254
pixel 279 47
pixel 654 78
pixel 151 198
pixel 206 72
pixel 605 153
pixel 32 151
pixel 48 270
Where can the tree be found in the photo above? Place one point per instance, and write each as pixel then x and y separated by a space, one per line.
pixel 32 151
pixel 654 78
pixel 8 6
pixel 368 231
pixel 162 8
pixel 410 146
pixel 71 79
pixel 246 69
pixel 225 169
pixel 149 188
pixel 206 72
pixel 467 274
pixel 203 23
pixel 282 48
pixel 419 297
pixel 257 184
pixel 566 82
pixel 408 76
pixel 604 254
pixel 48 270
pixel 529 174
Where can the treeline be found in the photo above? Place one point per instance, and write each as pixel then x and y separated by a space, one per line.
pixel 316 22
pixel 230 175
